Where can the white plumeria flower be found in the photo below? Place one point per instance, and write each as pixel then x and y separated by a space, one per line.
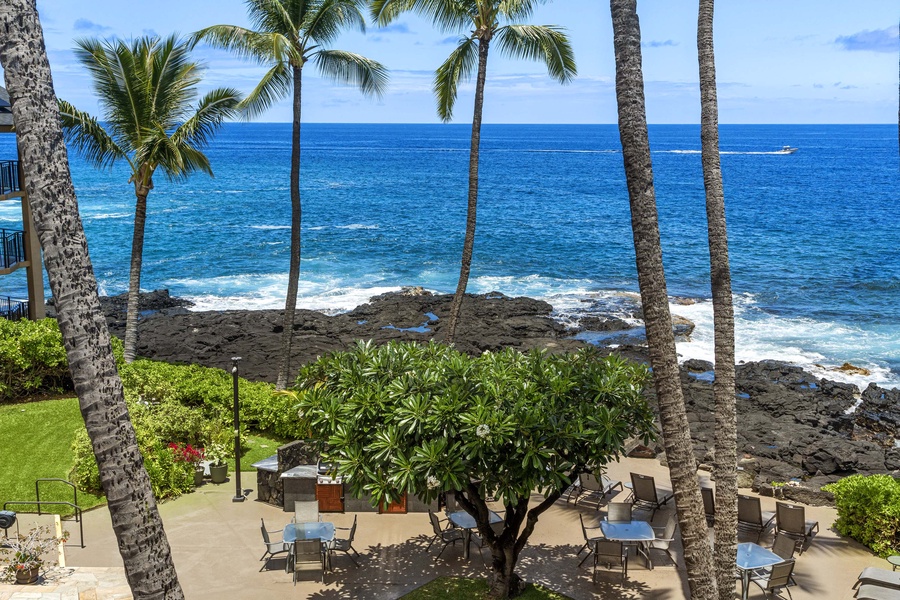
pixel 433 482
pixel 482 431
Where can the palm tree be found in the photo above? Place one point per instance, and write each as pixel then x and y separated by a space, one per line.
pixel 654 299
pixel 146 89
pixel 723 311
pixel 479 23
pixel 132 507
pixel 290 33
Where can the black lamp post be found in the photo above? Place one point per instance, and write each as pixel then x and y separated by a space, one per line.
pixel 238 491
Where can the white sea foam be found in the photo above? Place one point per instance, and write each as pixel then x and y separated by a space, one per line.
pixel 356 226
pixel 101 216
pixel 267 227
pixel 773 152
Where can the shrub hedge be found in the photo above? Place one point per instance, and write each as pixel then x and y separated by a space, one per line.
pixel 868 510
pixel 32 359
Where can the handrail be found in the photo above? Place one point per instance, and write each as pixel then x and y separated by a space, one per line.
pixel 78 512
pixel 13 310
pixel 37 489
pixel 12 247
pixel 9 177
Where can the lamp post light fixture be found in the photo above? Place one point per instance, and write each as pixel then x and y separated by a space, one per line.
pixel 238 491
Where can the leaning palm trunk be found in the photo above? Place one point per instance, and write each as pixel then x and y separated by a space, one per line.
pixel 134 278
pixel 654 299
pixel 139 530
pixel 723 311
pixel 290 303
pixel 472 210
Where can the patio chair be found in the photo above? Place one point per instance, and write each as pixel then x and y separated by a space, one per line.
pixel 779 577
pixel 306 511
pixel 589 539
pixel 876 592
pixel 589 485
pixel 880 577
pixel 345 545
pixel 665 536
pixel 438 530
pixel 751 517
pixel 709 505
pixel 784 547
pixel 447 536
pixel 612 554
pixel 646 496
pixel 790 519
pixel 308 556
pixel 618 512
pixel 272 548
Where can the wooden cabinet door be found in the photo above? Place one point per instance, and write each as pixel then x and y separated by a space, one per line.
pixel 330 496
pixel 395 507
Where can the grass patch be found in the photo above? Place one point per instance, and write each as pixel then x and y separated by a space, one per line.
pixel 463 588
pixel 36 442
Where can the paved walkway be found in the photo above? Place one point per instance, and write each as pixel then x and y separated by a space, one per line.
pixel 216 546
pixel 78 583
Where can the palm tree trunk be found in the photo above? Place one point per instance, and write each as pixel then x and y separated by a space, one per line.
pixel 290 303
pixel 132 507
pixel 654 299
pixel 142 186
pixel 723 311
pixel 471 213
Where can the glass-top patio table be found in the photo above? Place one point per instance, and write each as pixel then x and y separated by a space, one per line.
pixel 752 556
pixel 323 531
pixel 465 521
pixel 631 531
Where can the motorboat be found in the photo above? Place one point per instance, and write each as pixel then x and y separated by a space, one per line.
pixel 787 150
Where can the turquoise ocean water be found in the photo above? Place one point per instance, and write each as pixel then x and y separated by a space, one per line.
pixel 814 236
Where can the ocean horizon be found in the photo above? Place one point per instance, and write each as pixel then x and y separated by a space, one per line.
pixel 813 240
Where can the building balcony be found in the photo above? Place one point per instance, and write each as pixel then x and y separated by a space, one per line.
pixel 10 185
pixel 12 250
pixel 13 310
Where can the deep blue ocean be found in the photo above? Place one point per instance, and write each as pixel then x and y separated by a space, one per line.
pixel 815 248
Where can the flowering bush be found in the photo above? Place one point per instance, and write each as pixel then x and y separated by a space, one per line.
pixel 187 453
pixel 217 453
pixel 28 551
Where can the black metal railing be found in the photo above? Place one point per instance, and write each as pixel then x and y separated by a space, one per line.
pixel 12 247
pixel 9 177
pixel 13 310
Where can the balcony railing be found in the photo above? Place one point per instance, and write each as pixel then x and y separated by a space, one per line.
pixel 12 248
pixel 9 177
pixel 13 310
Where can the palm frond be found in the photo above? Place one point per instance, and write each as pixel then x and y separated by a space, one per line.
pixel 260 46
pixel 88 137
pixel 518 10
pixel 212 110
pixel 543 43
pixel 459 65
pixel 278 16
pixel 274 85
pixel 369 76
pixel 331 17
pixel 445 15
pixel 172 80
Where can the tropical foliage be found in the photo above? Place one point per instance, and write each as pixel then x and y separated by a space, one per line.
pixel 868 509
pixel 287 35
pixel 146 89
pixel 479 24
pixel 425 419
pixel 32 359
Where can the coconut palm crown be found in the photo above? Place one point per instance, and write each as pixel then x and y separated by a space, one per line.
pixel 287 35
pixel 480 24
pixel 146 88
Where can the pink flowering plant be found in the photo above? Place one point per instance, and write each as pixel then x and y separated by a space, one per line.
pixel 27 552
pixel 186 453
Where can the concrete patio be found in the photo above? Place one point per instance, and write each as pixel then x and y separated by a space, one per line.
pixel 217 545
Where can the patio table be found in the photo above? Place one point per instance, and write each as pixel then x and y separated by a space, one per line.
pixel 465 521
pixel 639 532
pixel 752 556
pixel 321 530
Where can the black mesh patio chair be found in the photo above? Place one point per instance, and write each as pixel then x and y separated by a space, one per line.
pixel 345 545
pixel 618 512
pixel 591 535
pixel 790 519
pixel 611 554
pixel 784 547
pixel 709 505
pixel 751 517
pixel 589 485
pixel 645 494
pixel 777 578
pixel 272 548
pixel 665 537
pixel 447 536
pixel 307 555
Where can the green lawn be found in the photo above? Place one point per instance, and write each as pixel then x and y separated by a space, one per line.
pixel 36 442
pixel 462 588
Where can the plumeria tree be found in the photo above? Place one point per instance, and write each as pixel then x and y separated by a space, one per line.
pixel 425 419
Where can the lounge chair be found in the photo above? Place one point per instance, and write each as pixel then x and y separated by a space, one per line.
pixel 646 496
pixel 665 537
pixel 589 485
pixel 709 505
pixel 308 556
pixel 272 548
pixel 879 577
pixel 589 539
pixel 612 554
pixel 778 577
pixel 790 519
pixel 306 511
pixel 876 592
pixel 345 545
pixel 447 536
pixel 751 517
pixel 618 512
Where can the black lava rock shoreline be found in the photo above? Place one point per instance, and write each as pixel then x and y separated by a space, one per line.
pixel 793 427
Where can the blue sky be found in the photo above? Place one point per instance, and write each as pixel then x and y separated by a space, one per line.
pixel 778 61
